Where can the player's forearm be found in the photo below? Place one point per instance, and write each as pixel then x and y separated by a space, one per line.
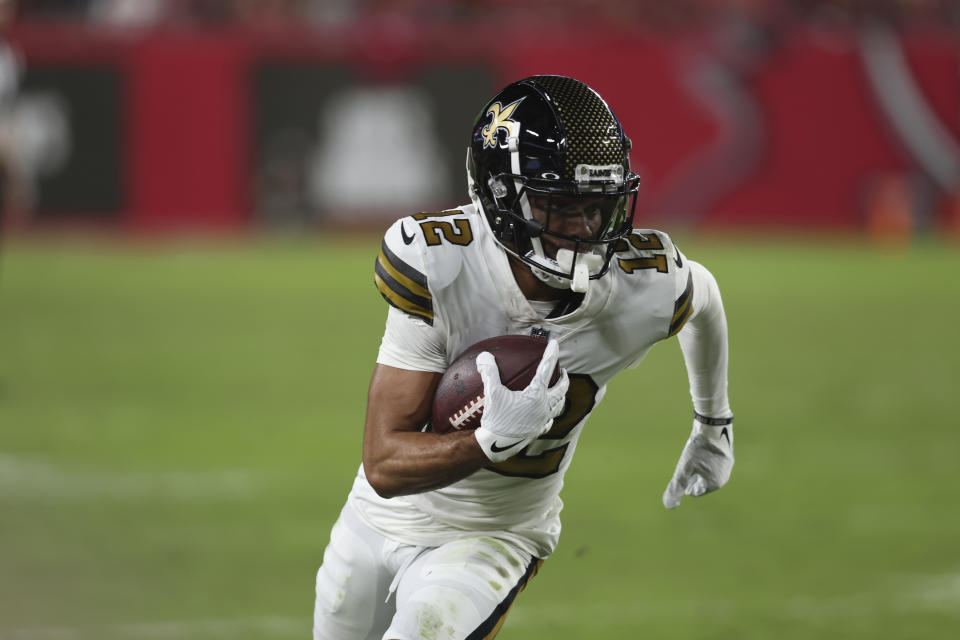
pixel 398 458
pixel 705 348
pixel 414 462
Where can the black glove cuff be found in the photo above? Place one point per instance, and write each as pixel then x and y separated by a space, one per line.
pixel 712 422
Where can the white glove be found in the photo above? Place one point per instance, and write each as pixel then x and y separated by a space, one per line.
pixel 513 419
pixel 704 465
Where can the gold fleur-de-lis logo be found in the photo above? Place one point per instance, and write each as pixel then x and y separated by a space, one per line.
pixel 499 119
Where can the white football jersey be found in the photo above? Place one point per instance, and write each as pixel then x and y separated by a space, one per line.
pixel 447 270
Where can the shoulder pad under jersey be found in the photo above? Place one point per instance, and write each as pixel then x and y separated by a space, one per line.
pixel 654 250
pixel 422 253
pixel 445 236
pixel 400 273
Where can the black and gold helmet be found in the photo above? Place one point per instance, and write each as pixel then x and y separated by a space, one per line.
pixel 552 140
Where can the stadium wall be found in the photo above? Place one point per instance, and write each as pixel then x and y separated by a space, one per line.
pixel 223 129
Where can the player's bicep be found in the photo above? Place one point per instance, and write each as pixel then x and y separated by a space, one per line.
pixel 399 399
pixel 398 405
pixel 411 360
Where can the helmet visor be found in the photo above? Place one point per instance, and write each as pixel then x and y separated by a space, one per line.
pixel 585 225
pixel 550 220
pixel 588 218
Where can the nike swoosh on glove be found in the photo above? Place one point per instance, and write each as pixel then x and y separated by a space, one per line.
pixel 705 463
pixel 513 419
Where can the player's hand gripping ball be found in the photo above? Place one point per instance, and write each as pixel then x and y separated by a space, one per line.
pixel 458 402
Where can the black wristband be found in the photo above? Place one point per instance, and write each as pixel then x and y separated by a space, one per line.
pixel 712 422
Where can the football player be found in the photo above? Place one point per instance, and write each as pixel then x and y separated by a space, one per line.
pixel 441 532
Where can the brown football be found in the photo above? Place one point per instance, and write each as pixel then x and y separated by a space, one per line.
pixel 458 402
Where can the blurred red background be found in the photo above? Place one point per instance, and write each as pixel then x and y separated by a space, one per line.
pixel 223 115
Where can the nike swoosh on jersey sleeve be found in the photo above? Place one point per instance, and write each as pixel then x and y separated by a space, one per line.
pixel 682 308
pixel 402 286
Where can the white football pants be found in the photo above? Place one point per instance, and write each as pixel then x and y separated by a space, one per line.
pixel 372 588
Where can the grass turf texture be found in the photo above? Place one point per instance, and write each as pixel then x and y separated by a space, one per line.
pixel 179 426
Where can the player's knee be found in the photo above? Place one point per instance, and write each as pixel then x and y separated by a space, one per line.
pixel 436 612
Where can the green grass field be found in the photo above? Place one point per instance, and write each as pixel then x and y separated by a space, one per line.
pixel 179 425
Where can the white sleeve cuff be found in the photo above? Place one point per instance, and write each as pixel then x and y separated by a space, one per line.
pixel 411 343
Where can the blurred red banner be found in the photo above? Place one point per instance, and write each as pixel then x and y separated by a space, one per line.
pixel 733 125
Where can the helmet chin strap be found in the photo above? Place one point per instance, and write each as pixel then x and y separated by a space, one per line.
pixel 582 265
